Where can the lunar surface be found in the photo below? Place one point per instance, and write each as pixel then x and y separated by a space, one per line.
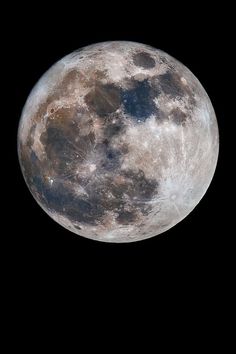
pixel 118 141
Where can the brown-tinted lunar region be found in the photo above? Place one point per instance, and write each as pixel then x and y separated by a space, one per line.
pixel 118 141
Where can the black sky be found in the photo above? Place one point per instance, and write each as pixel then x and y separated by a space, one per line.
pixel 195 250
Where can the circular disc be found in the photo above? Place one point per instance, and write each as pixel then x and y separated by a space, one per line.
pixel 118 141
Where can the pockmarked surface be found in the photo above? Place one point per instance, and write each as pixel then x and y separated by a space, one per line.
pixel 118 141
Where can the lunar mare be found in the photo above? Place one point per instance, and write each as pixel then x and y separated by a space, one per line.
pixel 118 141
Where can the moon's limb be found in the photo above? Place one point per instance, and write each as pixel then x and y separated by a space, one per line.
pixel 118 141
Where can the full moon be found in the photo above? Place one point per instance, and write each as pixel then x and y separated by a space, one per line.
pixel 118 141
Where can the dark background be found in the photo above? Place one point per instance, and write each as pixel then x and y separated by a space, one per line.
pixel 195 253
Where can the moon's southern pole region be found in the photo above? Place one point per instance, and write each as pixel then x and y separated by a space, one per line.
pixel 118 141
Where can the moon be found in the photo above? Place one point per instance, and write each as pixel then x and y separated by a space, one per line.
pixel 118 141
